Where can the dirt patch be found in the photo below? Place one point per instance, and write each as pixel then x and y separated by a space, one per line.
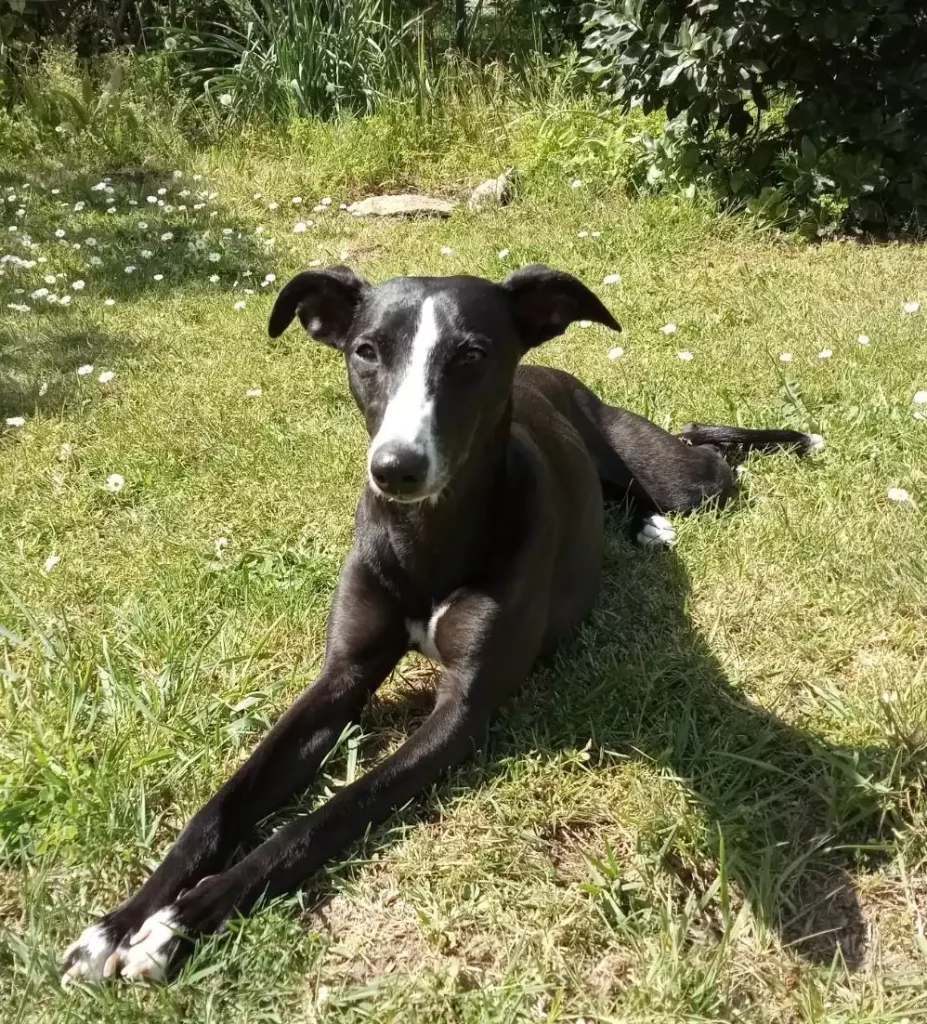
pixel 372 938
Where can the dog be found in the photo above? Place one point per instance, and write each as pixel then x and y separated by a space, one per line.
pixel 478 541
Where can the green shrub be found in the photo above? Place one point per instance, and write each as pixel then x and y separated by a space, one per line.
pixel 814 113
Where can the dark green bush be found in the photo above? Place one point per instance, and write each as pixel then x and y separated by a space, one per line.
pixel 813 110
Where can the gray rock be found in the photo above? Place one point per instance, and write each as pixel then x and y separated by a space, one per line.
pixel 493 192
pixel 401 206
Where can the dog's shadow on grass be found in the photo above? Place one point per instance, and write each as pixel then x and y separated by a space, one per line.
pixel 791 813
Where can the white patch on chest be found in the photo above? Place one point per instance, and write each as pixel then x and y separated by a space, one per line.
pixel 409 415
pixel 422 634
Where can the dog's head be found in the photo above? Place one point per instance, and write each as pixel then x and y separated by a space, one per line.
pixel 431 359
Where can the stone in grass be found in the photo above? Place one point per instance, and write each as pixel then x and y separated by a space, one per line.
pixel 493 192
pixel 401 206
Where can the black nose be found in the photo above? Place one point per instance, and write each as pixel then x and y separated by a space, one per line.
pixel 399 470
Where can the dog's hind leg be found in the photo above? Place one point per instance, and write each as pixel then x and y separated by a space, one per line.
pixel 652 470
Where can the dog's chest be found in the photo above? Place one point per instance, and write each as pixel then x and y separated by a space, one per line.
pixel 423 635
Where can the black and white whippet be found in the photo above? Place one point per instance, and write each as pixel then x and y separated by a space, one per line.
pixel 478 541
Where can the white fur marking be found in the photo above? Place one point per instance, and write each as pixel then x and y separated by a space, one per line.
pixel 657 530
pixel 409 414
pixel 422 637
pixel 151 946
pixel 815 443
pixel 94 949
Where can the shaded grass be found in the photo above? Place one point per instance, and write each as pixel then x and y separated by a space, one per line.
pixel 709 807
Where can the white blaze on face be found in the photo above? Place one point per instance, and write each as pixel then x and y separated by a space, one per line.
pixel 409 416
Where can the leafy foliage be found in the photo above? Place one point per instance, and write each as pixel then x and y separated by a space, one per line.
pixel 816 113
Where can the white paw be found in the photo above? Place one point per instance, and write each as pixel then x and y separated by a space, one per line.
pixel 815 443
pixel 657 530
pixel 149 950
pixel 90 953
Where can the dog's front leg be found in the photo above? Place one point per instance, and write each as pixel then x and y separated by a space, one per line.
pixel 493 659
pixel 366 637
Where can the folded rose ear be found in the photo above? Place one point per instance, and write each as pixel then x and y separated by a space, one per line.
pixel 545 302
pixel 324 300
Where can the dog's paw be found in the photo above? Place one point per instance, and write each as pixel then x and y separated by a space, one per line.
pixel 149 950
pixel 815 444
pixel 657 530
pixel 86 957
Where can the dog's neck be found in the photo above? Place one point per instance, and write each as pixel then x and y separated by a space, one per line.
pixel 437 542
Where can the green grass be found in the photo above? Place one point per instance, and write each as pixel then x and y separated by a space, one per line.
pixel 710 807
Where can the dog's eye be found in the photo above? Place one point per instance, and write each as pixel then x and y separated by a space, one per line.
pixel 366 353
pixel 467 355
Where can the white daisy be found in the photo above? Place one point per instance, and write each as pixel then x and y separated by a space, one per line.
pixel 226 99
pixel 85 370
pixel 50 563
pixel 16 421
pixel 239 305
pixel 167 236
pixel 213 278
pixel 502 253
pixel 576 183
pixel 611 279
pixel 151 199
pixel 115 483
pixel 920 398
pixel 615 353
pixel 897 494
pixel 296 200
pixel 825 353
pixel 686 357
pixel 78 286
pixel 130 269
pixel 863 339
pixel 158 277
pixel 446 250
pixel 785 357
pixel 299 227
pixel 911 307
pixel 253 393
pixel 59 233
pixel 146 254
pixel 143 225
pixel 106 376
pixel 273 206
pixel 109 302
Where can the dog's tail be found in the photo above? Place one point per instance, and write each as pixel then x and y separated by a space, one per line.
pixel 738 440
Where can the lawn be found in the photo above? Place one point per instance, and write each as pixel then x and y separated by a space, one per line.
pixel 710 807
